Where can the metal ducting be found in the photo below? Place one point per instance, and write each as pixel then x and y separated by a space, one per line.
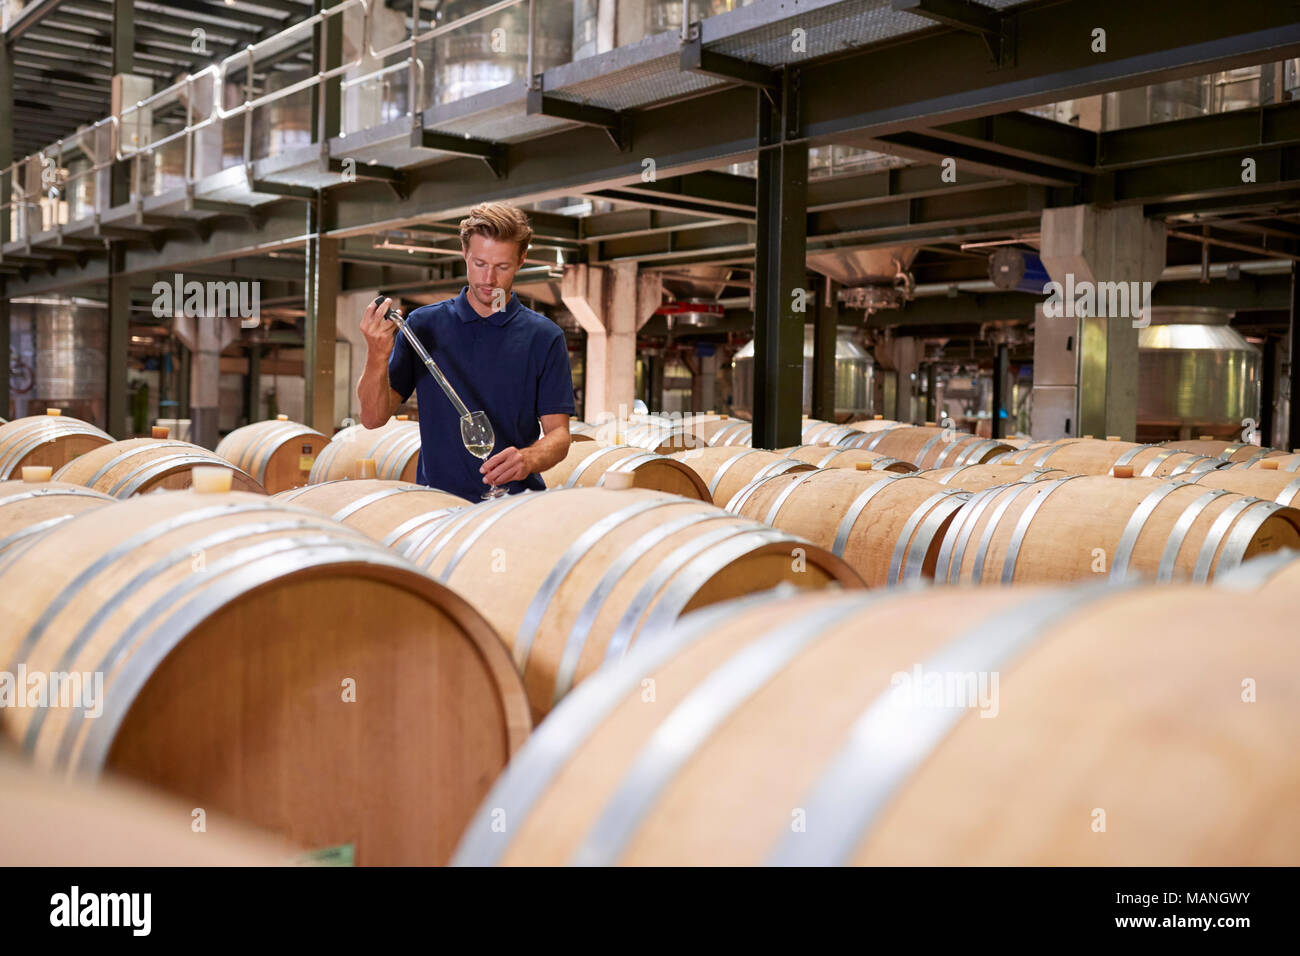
pixel 873 278
pixel 854 375
pixel 1196 375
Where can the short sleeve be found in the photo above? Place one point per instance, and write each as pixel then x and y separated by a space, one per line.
pixel 555 384
pixel 404 368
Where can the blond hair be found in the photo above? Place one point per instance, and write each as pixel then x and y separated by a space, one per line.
pixel 497 220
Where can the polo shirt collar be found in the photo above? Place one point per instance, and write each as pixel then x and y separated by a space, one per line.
pixel 467 313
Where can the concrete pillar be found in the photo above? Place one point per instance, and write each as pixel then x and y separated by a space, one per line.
pixel 206 338
pixel 351 306
pixel 704 391
pixel 1105 261
pixel 610 303
pixel 901 356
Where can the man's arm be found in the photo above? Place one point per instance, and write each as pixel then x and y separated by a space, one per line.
pixel 378 399
pixel 515 464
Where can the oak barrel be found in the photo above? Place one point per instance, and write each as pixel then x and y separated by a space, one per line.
pixel 726 470
pixel 48 821
pixel 1081 527
pixel 662 437
pixel 28 509
pixel 887 527
pixel 52 440
pixel 586 466
pixel 141 465
pixel 394 447
pixel 979 477
pixel 278 453
pixel 571 577
pixel 1289 463
pixel 267 663
pixel 928 447
pixel 833 729
pixel 732 433
pixel 388 511
pixel 828 456
pixel 1224 450
pixel 1280 486
pixel 1092 456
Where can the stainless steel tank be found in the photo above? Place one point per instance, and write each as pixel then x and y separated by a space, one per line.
pixel 1196 376
pixel 284 123
pixel 854 372
pixel 69 355
pixel 598 26
pixel 492 51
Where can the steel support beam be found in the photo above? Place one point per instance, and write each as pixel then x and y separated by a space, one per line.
pixel 5 410
pixel 6 158
pixel 780 274
pixel 29 16
pixel 1000 392
pixel 119 336
pixel 949 79
pixel 824 330
pixel 997 31
pixel 1293 363
pixel 492 154
pixel 1267 390
pixel 618 126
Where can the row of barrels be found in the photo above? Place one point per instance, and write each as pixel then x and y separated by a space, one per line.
pixel 194 595
pixel 393 643
pixel 834 729
pixel 965 532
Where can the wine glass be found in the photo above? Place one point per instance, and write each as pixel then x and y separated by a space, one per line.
pixel 476 432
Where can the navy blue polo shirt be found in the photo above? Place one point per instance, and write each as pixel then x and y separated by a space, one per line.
pixel 513 364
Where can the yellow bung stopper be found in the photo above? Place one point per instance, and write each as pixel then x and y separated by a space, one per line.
pixel 1112 438
pixel 32 474
pixel 618 480
pixel 366 468
pixel 1123 471
pixel 161 431
pixel 402 418
pixel 211 479
pixel 1268 464
pixel 1206 438
pixel 864 465
pixel 281 418
pixel 54 412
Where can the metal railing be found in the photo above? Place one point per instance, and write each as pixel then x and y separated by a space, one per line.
pixel 105 142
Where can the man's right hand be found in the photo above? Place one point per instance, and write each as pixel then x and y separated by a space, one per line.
pixel 378 331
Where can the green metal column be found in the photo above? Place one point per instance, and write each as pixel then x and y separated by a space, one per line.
pixel 6 193
pixel 779 271
pixel 254 383
pixel 119 287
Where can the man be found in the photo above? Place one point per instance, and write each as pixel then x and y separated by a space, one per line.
pixel 500 357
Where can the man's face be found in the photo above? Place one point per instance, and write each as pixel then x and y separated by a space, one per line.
pixel 491 265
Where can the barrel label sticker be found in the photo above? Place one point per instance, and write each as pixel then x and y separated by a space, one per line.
pixel 341 855
pixel 305 462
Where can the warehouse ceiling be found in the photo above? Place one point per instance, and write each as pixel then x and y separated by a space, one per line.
pixel 876 181
pixel 63 54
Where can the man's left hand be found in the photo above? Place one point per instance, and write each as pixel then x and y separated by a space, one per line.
pixel 509 464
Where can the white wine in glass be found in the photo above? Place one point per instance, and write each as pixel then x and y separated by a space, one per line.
pixel 476 432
